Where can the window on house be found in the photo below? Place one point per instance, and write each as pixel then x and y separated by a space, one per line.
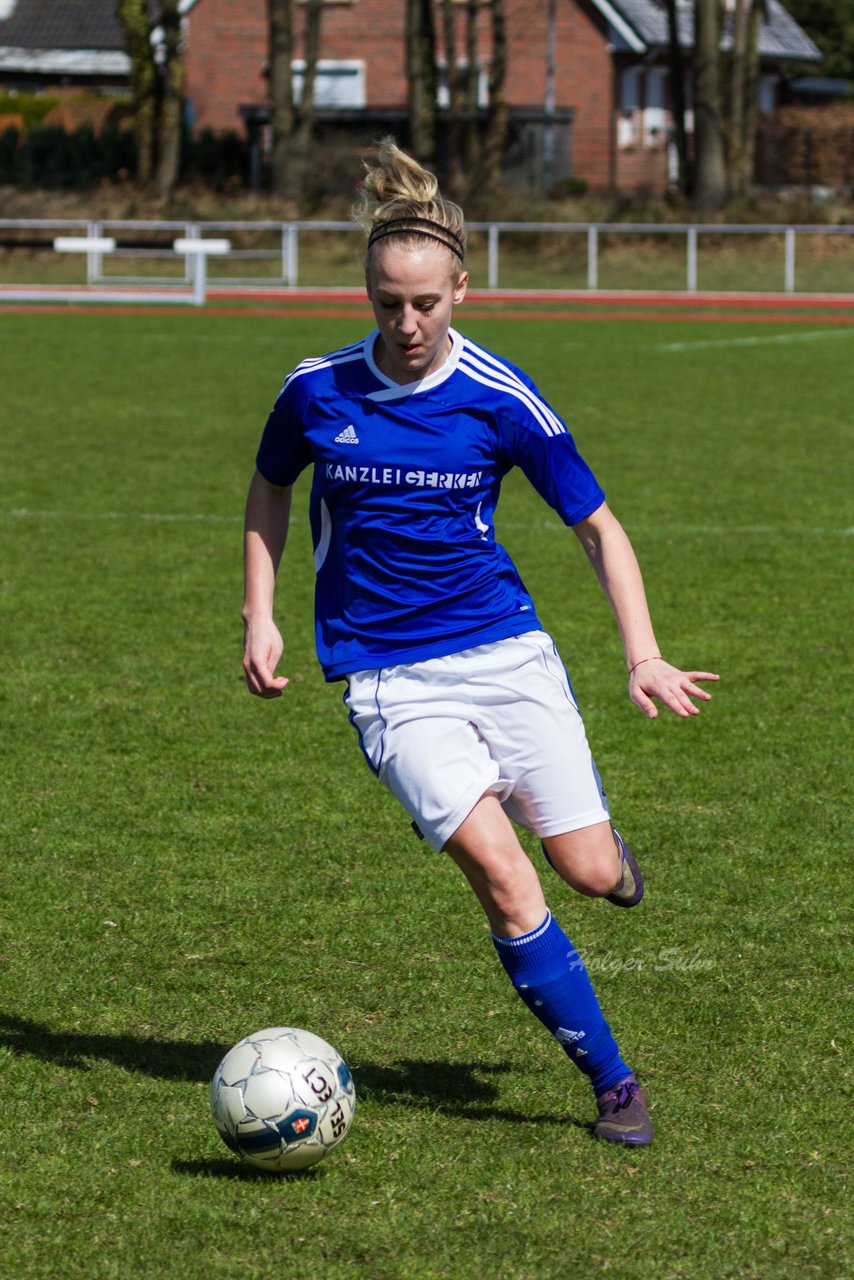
pixel 337 83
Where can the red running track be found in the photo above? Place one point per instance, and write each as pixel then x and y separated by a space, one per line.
pixel 509 304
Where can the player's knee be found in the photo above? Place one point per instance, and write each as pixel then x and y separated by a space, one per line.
pixel 509 879
pixel 499 867
pixel 501 874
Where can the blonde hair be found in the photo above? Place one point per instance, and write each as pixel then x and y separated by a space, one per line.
pixel 400 198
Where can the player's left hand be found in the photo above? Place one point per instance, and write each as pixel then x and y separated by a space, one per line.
pixel 656 678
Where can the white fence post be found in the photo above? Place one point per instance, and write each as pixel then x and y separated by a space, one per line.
pixel 789 283
pixel 199 251
pixel 93 258
pixel 492 271
pixel 691 282
pixel 290 254
pixel 592 257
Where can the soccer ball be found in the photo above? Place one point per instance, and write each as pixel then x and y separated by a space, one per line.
pixel 282 1098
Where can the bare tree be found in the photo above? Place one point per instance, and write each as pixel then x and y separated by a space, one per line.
pixel 454 132
pixel 292 117
pixel 742 73
pixel 421 72
pixel 758 12
pixel 282 109
pixel 305 120
pixel 471 160
pixel 470 93
pixel 170 66
pixel 677 97
pixel 136 31
pixel 496 130
pixel 153 43
pixel 710 162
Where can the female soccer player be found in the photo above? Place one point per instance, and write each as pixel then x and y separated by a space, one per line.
pixel 461 703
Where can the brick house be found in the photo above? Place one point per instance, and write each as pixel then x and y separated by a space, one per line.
pixel 609 118
pixel 599 103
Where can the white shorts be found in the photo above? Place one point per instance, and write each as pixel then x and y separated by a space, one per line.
pixel 500 718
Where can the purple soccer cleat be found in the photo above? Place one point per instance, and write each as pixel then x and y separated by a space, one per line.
pixel 629 891
pixel 623 1115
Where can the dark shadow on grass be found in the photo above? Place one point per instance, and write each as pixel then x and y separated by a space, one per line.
pixel 163 1059
pixel 465 1089
pixel 234 1171
pixel 468 1090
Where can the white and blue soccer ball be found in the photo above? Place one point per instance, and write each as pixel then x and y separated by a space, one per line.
pixel 282 1098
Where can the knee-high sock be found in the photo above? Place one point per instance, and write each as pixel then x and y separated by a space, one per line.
pixel 550 976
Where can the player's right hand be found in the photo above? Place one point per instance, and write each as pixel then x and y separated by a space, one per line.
pixel 262 651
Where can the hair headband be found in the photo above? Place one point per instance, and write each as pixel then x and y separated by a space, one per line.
pixel 418 227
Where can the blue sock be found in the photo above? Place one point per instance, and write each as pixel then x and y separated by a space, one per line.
pixel 550 976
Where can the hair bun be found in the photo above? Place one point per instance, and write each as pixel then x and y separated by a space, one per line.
pixel 398 189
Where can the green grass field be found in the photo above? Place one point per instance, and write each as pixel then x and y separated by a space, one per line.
pixel 182 864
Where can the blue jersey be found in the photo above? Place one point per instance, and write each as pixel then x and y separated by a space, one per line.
pixel 406 481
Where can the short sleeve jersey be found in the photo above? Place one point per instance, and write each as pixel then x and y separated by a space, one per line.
pixel 406 479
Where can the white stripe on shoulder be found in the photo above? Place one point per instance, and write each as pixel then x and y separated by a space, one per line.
pixel 345 355
pixel 489 364
pixel 505 372
pixel 492 373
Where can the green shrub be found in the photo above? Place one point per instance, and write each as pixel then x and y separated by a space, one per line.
pixel 53 158
pixel 9 142
pixel 32 107
pixel 216 159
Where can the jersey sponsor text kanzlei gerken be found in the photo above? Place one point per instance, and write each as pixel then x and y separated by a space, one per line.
pixel 406 481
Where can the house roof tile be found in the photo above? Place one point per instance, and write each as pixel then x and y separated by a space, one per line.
pixel 74 24
pixel 780 36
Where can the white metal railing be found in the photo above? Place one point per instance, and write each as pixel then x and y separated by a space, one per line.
pixel 195 250
pixel 286 236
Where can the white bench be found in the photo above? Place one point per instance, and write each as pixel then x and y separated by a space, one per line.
pixel 194 251
pixel 198 251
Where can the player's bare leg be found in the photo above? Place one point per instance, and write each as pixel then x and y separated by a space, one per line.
pixel 544 967
pixel 505 883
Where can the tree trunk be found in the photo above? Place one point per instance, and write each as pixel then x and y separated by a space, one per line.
pixel 742 85
pixel 710 170
pixel 421 71
pixel 414 74
pixel 170 121
pixel 305 114
pixel 292 123
pixel 677 98
pixel 496 132
pixel 751 89
pixel 470 96
pixel 282 112
pixel 133 19
pixel 734 99
pixel 454 136
pixel 549 98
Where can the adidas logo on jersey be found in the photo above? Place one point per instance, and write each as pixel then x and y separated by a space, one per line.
pixel 347 436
